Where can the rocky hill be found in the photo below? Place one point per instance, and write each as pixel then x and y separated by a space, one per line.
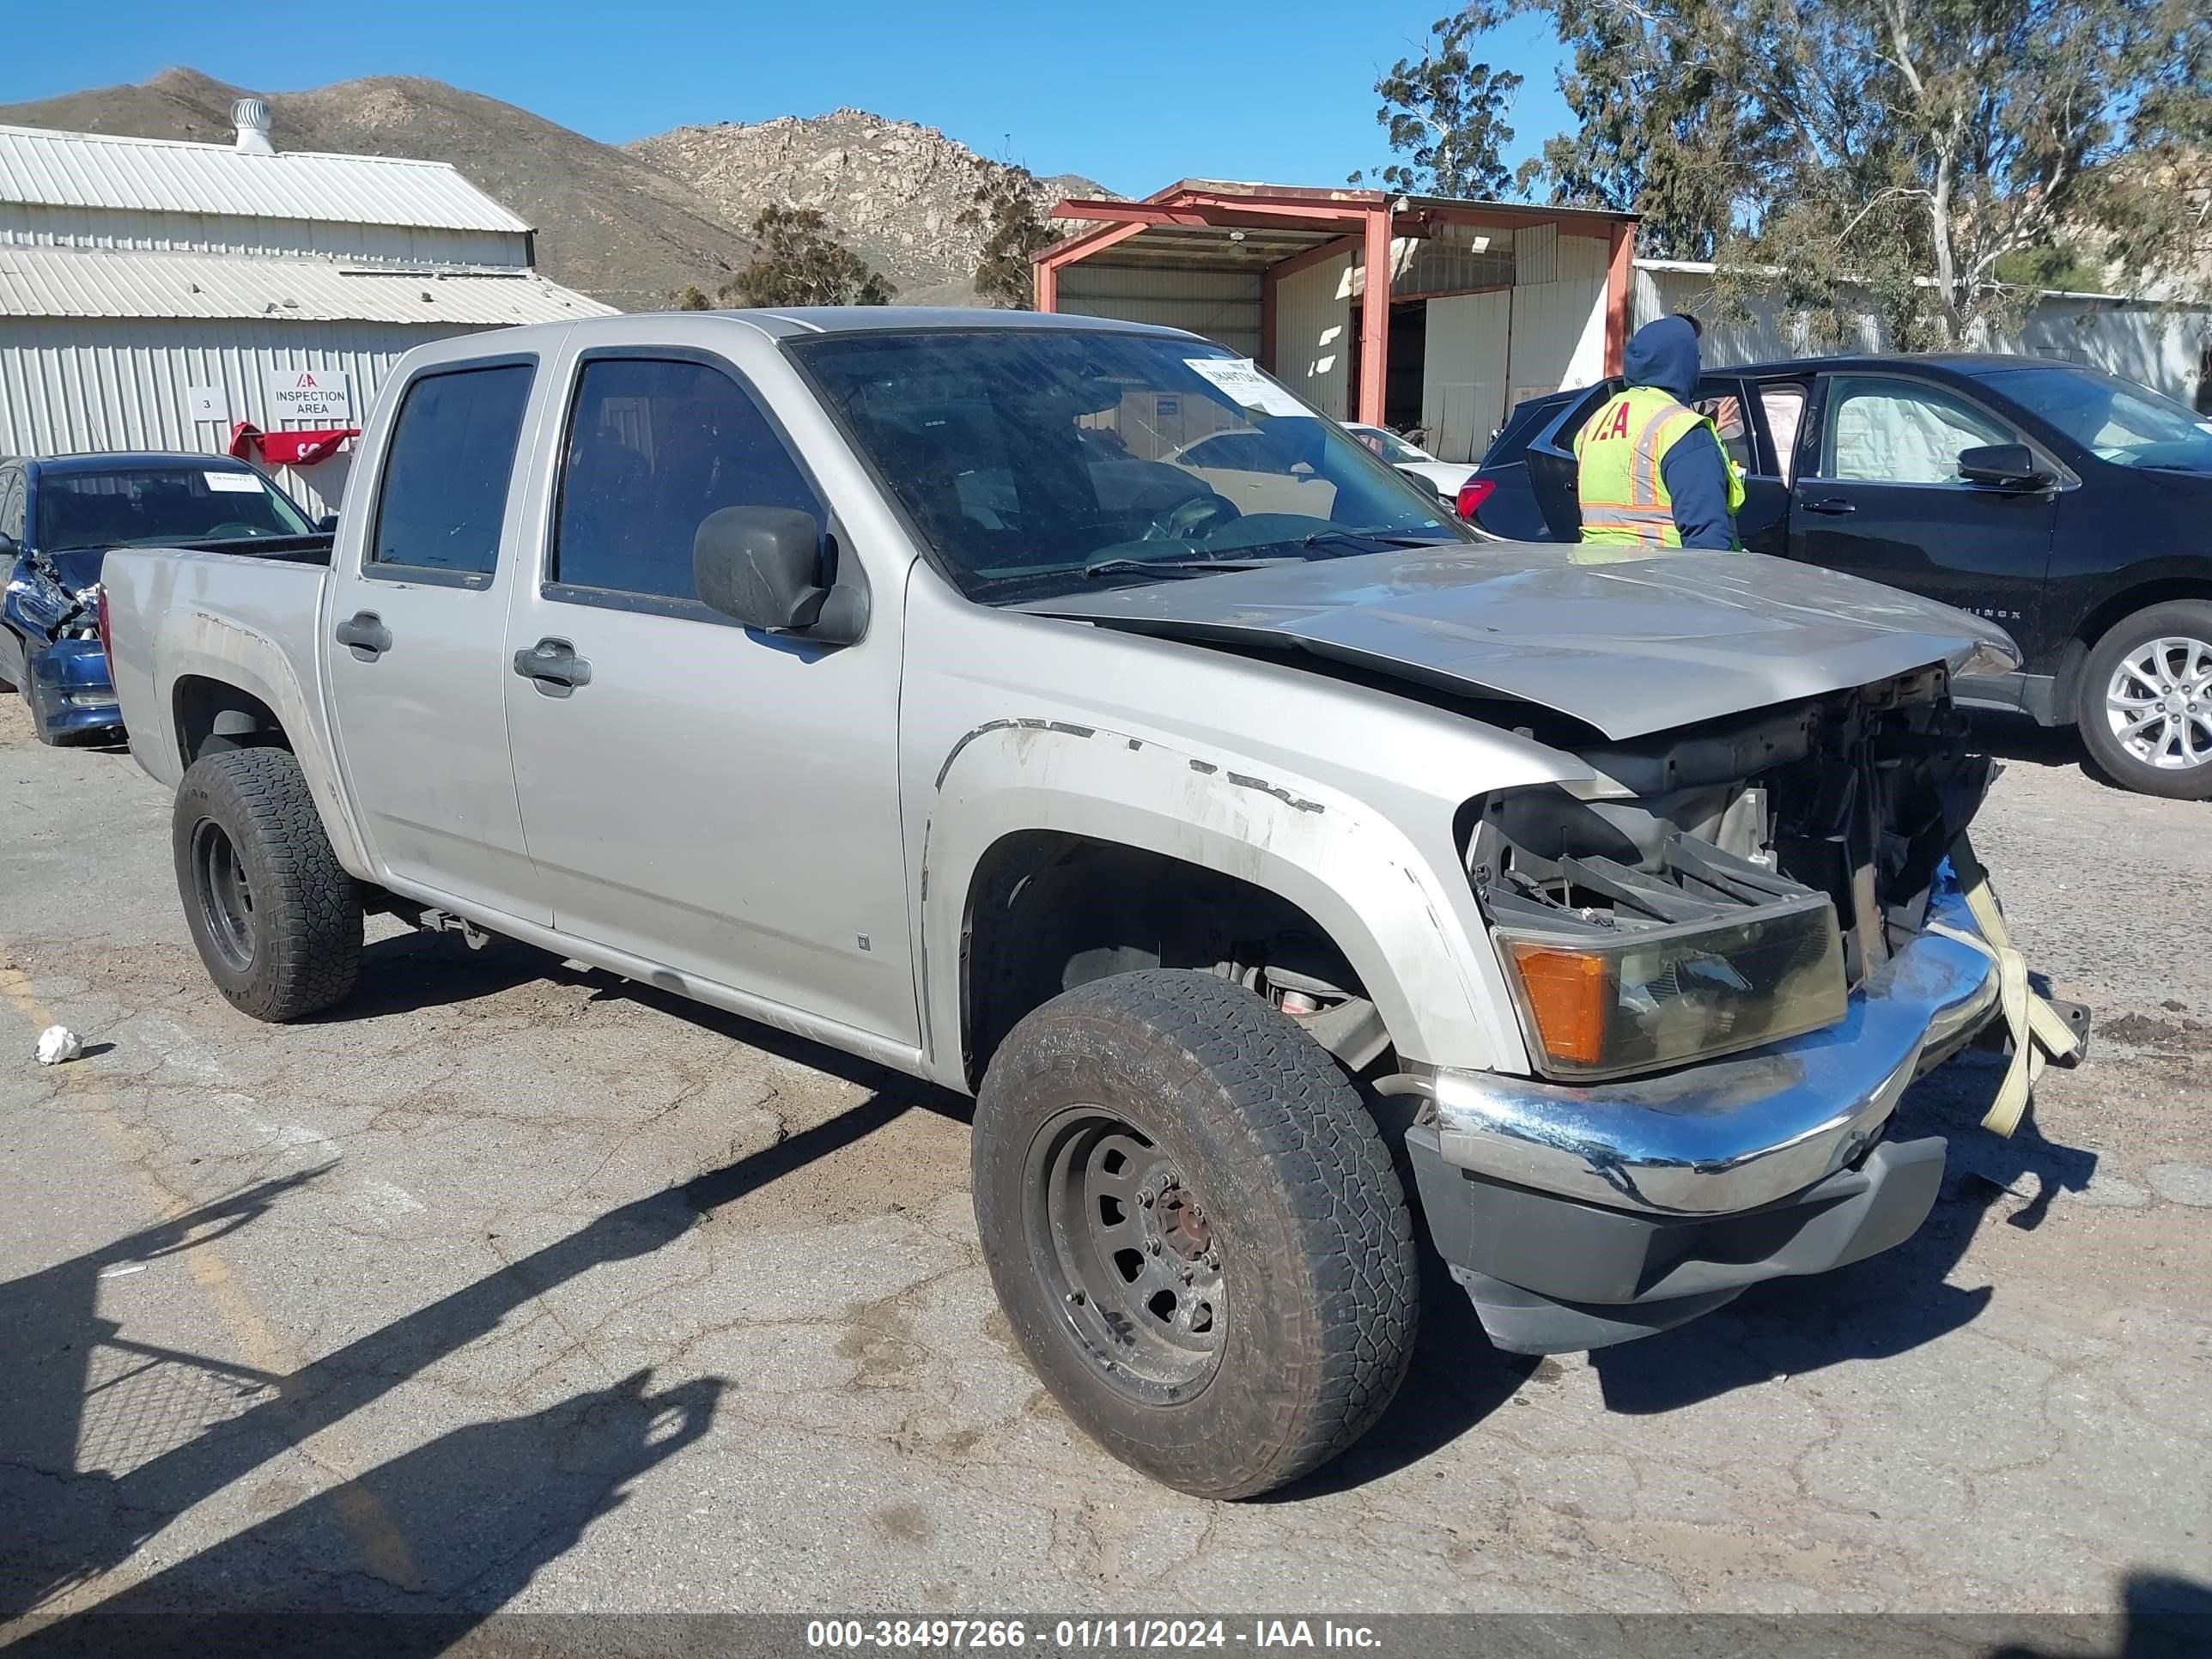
pixel 892 191
pixel 630 225
pixel 608 222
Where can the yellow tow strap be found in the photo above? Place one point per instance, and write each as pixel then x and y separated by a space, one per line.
pixel 2039 1033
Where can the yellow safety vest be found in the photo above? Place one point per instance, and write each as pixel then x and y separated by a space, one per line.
pixel 1618 453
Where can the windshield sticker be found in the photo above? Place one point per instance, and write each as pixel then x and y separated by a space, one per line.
pixel 1240 377
pixel 233 483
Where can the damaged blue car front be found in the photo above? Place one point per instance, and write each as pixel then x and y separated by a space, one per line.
pixel 59 518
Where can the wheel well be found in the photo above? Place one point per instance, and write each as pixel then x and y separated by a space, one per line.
pixel 214 717
pixel 1047 911
pixel 2093 627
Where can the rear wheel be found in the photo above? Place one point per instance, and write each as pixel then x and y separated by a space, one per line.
pixel 2146 701
pixel 1196 1230
pixel 275 917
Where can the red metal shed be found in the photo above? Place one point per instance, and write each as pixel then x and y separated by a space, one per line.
pixel 1486 301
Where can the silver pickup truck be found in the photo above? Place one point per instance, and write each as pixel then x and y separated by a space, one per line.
pixel 1060 711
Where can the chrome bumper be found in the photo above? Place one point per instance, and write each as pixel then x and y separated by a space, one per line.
pixel 1737 1132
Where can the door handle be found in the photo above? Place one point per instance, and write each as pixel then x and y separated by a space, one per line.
pixel 554 667
pixel 1833 506
pixel 365 634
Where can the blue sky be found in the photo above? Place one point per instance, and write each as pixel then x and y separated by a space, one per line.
pixel 1133 93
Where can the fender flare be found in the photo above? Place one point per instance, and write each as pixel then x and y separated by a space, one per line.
pixel 193 643
pixel 1408 926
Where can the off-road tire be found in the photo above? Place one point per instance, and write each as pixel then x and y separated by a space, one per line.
pixel 2176 618
pixel 301 931
pixel 1317 1262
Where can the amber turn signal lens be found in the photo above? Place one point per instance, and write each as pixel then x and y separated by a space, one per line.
pixel 1568 993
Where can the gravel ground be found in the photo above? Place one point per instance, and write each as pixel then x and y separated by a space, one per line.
pixel 513 1285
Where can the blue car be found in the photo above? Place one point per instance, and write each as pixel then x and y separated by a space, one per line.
pixel 59 517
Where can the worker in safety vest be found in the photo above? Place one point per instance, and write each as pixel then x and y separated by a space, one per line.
pixel 1650 470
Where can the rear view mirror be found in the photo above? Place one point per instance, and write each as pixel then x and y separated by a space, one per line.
pixel 2008 466
pixel 765 567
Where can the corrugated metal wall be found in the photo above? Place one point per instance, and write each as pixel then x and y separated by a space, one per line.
pixel 23 224
pixel 1456 259
pixel 1558 312
pixel 1314 322
pixel 2163 350
pixel 1463 375
pixel 96 384
pixel 1222 305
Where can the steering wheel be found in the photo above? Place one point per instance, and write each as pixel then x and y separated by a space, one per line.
pixel 233 531
pixel 1189 520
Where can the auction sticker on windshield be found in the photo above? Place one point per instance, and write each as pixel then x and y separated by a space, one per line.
pixel 233 483
pixel 1240 377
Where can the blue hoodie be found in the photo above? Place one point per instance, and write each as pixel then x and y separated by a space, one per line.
pixel 1664 355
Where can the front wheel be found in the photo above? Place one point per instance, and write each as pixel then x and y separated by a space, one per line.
pixel 1195 1230
pixel 2146 701
pixel 275 917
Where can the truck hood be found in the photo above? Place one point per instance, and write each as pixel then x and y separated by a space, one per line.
pixel 1629 647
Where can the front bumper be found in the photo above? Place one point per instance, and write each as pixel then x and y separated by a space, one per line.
pixel 70 695
pixel 1578 1217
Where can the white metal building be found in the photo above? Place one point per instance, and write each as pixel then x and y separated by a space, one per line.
pixel 154 294
pixel 2165 346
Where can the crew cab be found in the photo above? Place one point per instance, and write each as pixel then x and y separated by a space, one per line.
pixel 1240 831
pixel 2072 505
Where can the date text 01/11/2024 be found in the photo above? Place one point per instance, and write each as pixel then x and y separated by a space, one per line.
pixel 1082 1634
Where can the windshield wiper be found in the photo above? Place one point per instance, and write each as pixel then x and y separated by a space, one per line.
pixel 1179 566
pixel 1375 538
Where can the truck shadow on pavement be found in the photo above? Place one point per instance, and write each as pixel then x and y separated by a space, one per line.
pixel 451 1529
pixel 1886 1305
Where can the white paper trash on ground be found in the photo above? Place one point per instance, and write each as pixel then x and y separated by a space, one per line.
pixel 58 1043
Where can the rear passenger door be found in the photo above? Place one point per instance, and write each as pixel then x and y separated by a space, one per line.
pixel 1879 495
pixel 710 800
pixel 416 627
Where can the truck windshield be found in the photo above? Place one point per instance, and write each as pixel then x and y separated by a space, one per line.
pixel 1039 461
pixel 148 506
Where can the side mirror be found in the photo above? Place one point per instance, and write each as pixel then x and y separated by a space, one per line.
pixel 1422 481
pixel 8 547
pixel 327 524
pixel 2008 466
pixel 765 567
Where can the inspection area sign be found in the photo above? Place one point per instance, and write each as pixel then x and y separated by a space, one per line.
pixel 318 397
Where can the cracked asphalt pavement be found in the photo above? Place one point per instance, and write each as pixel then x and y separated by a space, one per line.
pixel 511 1285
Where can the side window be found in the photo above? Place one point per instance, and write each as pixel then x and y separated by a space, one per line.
pixel 656 446
pixel 446 473
pixel 1895 431
pixel 11 506
pixel 1783 406
pixel 1721 402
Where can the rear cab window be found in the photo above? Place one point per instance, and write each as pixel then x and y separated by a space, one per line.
pixel 448 467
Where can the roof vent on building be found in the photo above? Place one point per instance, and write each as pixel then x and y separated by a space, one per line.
pixel 250 117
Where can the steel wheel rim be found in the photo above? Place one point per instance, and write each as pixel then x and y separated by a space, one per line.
pixel 226 898
pixel 1126 1251
pixel 2158 704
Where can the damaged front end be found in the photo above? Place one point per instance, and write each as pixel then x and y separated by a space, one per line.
pixel 54 611
pixel 1730 955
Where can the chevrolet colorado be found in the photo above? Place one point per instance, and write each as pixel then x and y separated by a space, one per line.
pixel 1288 873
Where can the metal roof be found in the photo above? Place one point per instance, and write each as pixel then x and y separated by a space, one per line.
pixel 165 175
pixel 75 282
